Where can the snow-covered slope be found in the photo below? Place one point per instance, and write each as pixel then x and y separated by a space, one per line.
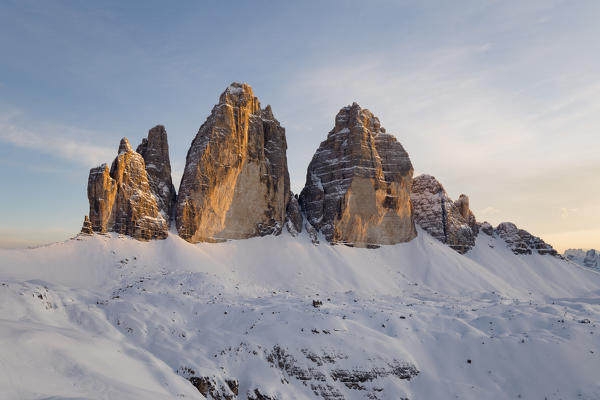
pixel 105 317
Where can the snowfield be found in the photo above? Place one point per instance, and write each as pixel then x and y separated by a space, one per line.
pixel 109 317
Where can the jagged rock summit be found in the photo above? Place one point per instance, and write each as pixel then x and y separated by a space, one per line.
pixel 358 184
pixel 359 188
pixel 519 241
pixel 450 222
pixel 121 199
pixel 155 151
pixel 236 183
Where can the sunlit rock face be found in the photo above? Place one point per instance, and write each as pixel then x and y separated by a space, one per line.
pixel 155 151
pixel 358 184
pixel 236 183
pixel 450 222
pixel 121 199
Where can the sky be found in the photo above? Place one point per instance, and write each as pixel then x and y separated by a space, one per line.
pixel 499 100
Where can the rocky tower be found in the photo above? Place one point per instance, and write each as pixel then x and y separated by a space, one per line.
pixel 358 184
pixel 236 183
pixel 449 222
pixel 155 151
pixel 121 199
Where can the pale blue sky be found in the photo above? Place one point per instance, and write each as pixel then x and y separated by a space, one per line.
pixel 498 99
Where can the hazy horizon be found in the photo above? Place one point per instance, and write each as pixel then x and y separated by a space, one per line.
pixel 500 103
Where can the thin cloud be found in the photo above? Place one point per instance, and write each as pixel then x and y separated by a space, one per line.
pixel 67 143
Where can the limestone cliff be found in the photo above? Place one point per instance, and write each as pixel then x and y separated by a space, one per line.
pixel 236 183
pixel 121 199
pixel 449 222
pixel 358 184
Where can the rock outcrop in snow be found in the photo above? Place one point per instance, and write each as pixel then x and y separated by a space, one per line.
pixel 155 151
pixel 587 258
pixel 358 184
pixel 450 222
pixel 236 183
pixel 518 240
pixel 121 199
pixel 294 216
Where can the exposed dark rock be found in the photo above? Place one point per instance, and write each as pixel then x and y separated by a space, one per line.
pixel 486 228
pixel 281 359
pixel 358 184
pixel 294 219
pixel 353 378
pixel 322 381
pixel 257 395
pixel 209 388
pixel 312 232
pixel 233 385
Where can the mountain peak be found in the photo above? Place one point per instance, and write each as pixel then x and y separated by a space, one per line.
pixel 355 115
pixel 240 95
pixel 124 146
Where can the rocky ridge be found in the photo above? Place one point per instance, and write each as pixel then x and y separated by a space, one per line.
pixel 519 241
pixel 358 184
pixel 359 188
pixel 450 222
pixel 236 183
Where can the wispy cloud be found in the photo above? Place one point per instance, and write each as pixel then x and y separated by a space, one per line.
pixel 64 142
